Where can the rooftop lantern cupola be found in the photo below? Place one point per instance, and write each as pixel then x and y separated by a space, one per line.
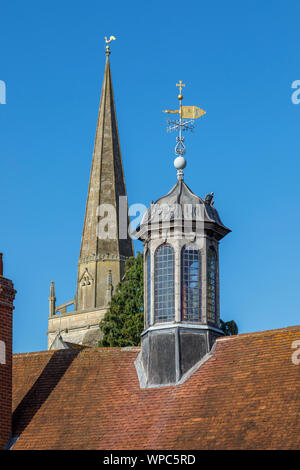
pixel 181 234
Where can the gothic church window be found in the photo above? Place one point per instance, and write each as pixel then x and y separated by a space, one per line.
pixel 191 283
pixel 85 293
pixel 164 310
pixel 86 279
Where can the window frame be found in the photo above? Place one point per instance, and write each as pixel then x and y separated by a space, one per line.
pixel 148 287
pixel 187 293
pixel 211 314
pixel 165 291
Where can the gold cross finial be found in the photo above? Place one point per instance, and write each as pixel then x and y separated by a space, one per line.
pixel 180 84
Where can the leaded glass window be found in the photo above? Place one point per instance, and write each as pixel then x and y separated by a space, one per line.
pixel 191 284
pixel 211 285
pixel 164 284
pixel 149 288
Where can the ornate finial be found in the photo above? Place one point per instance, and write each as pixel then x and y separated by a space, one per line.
pixel 180 85
pixel 108 41
pixel 187 114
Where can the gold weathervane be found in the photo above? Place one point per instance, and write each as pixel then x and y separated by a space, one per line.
pixel 108 41
pixel 185 122
pixel 185 112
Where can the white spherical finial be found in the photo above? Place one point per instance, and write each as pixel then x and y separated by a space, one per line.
pixel 180 163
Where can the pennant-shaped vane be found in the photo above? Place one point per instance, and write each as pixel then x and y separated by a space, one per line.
pixel 187 112
pixel 191 112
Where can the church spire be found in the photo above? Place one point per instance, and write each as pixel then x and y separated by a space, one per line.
pixel 103 249
pixel 105 244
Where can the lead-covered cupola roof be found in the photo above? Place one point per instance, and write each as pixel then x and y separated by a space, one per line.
pixel 181 203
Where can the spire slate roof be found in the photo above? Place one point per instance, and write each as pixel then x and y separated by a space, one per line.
pixel 245 396
pixel 107 181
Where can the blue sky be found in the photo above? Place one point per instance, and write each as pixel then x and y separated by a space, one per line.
pixel 238 60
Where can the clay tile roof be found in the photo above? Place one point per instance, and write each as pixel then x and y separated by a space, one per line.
pixel 246 396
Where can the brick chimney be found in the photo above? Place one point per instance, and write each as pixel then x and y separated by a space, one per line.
pixel 7 295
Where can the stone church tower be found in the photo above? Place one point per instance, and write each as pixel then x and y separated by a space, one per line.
pixel 105 244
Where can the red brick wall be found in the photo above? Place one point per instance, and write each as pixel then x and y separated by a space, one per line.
pixel 7 294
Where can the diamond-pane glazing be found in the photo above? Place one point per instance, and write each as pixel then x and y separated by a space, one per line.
pixel 164 284
pixel 191 284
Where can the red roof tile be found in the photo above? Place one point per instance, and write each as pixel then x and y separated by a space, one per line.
pixel 246 396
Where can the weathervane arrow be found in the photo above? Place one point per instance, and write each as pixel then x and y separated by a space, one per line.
pixel 187 114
